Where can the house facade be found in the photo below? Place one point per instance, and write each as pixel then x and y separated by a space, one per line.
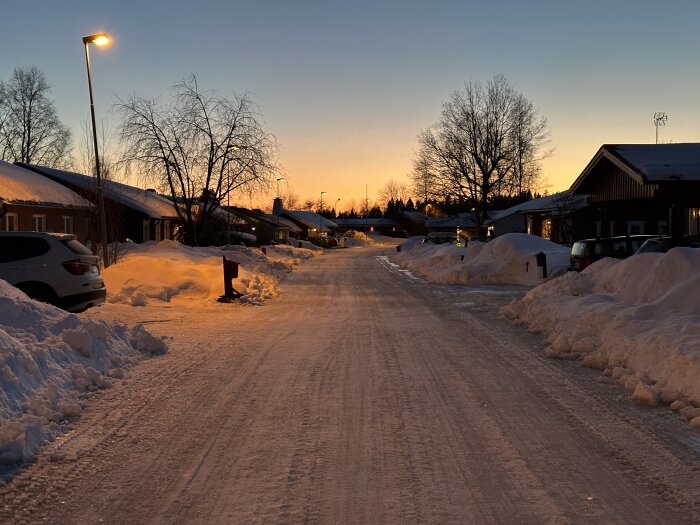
pixel 30 202
pixel 131 213
pixel 643 189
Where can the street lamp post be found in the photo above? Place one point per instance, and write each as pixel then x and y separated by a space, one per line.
pixel 281 179
pixel 320 229
pixel 336 203
pixel 100 39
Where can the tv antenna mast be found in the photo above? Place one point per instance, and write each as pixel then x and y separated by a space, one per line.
pixel 660 119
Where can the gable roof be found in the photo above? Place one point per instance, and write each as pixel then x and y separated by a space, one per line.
pixel 310 220
pixel 147 202
pixel 22 186
pixel 649 163
pixel 562 201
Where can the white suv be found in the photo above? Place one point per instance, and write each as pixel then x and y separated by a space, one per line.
pixel 52 267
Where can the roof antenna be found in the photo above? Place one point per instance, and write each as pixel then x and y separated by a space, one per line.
pixel 660 119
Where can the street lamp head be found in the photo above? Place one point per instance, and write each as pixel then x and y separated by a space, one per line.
pixel 100 39
pixel 324 193
pixel 280 179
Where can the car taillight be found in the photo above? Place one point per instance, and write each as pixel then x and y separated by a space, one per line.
pixel 76 267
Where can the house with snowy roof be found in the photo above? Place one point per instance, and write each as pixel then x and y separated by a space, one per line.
pixel 30 202
pixel 313 225
pixel 560 217
pixel 643 189
pixel 132 213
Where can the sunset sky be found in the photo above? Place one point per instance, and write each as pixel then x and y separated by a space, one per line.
pixel 346 86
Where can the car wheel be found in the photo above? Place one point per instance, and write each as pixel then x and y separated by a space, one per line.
pixel 39 292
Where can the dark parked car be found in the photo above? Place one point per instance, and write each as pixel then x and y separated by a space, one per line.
pixel 587 251
pixel 665 243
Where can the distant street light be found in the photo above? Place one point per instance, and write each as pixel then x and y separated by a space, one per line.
pixel 99 39
pixel 336 202
pixel 320 229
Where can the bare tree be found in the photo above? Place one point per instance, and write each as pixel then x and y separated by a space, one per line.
pixel 394 191
pixel 200 147
pixel 487 142
pixel 29 127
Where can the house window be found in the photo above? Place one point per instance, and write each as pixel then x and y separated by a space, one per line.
pixel 635 228
pixel 11 221
pixel 39 222
pixel 546 228
pixel 612 228
pixel 67 224
pixel 598 228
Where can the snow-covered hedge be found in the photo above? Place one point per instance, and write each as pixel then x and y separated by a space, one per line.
pixel 510 258
pixel 179 273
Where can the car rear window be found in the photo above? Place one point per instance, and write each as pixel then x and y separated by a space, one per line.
pixel 19 248
pixel 578 249
pixel 77 247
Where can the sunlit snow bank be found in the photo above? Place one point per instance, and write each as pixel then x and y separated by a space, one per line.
pixel 48 360
pixel 508 259
pixel 168 271
pixel 354 238
pixel 638 319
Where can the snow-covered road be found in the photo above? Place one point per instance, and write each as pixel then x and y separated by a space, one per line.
pixel 360 395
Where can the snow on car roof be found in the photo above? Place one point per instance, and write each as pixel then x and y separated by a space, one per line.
pixel 19 185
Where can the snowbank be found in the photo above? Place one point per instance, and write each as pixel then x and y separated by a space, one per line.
pixel 353 238
pixel 168 271
pixel 508 259
pixel 48 359
pixel 638 319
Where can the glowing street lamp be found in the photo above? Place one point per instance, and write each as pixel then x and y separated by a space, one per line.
pixel 320 229
pixel 99 39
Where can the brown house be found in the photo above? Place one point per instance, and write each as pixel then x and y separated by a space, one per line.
pixel 643 189
pixel 30 202
pixel 132 213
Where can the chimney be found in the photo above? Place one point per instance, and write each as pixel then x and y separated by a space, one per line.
pixel 277 206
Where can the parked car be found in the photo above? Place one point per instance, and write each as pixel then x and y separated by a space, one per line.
pixel 665 243
pixel 52 267
pixel 441 237
pixel 587 251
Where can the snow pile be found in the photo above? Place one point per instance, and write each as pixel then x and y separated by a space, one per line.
pixel 354 238
pixel 638 319
pixel 508 259
pixel 49 358
pixel 168 271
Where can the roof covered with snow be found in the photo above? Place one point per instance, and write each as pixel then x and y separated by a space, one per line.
pixel 563 201
pixel 649 163
pixel 22 186
pixel 311 220
pixel 147 202
pixel 462 220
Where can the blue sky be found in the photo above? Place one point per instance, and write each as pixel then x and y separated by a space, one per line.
pixel 346 86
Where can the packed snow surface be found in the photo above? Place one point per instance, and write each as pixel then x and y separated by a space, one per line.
pixel 49 359
pixel 638 319
pixel 508 259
